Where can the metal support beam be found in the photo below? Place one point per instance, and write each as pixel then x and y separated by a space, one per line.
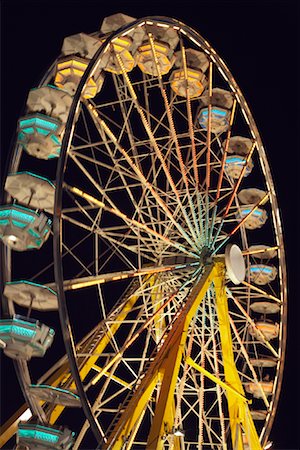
pixel 164 367
pixel 241 423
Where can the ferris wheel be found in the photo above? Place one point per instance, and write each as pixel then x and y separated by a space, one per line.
pixel 156 281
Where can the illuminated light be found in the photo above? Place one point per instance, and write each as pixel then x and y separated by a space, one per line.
pixel 219 119
pixel 235 159
pixel 163 25
pixel 215 111
pixel 245 116
pixel 222 73
pixel 29 130
pixel 15 214
pixel 38 122
pixel 68 75
pixel 122 42
pixel 195 80
pixel 179 433
pixel 12 238
pixel 39 435
pixel 257 212
pixel 87 284
pixel 21 225
pixel 26 415
pixel 268 445
pixel 195 42
pixel 265 269
pixel 17 330
pixel 127 32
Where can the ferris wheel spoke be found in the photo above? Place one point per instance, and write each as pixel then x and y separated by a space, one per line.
pixel 116 244
pixel 145 324
pixel 247 359
pixel 221 173
pixel 125 172
pixel 104 193
pixel 252 323
pixel 175 139
pixel 129 221
pixel 144 181
pixel 216 371
pixel 154 143
pixel 261 291
pixel 92 280
pixel 225 152
pixel 234 191
pixel 238 226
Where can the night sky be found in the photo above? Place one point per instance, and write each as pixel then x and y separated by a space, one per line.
pixel 257 40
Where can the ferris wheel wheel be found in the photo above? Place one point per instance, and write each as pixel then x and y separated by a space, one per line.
pixel 156 255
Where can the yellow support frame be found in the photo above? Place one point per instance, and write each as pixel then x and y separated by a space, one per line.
pixel 165 368
pixel 242 427
pixel 102 344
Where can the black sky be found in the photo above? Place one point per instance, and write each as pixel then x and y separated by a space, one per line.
pixel 257 40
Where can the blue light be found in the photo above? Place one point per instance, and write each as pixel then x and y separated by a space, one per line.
pixel 264 269
pixel 214 111
pixel 235 160
pixel 38 435
pixel 256 213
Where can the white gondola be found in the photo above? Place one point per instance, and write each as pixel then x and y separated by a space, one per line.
pixel 51 101
pixel 256 218
pixel 239 145
pixel 262 251
pixel 221 103
pixel 114 22
pixel 40 135
pixel 265 307
pixel 267 328
pixel 256 390
pixel 81 44
pixel 262 274
pixel 234 165
pixel 251 196
pixel 31 295
pixel 164 42
pixel 31 190
pixel 263 362
pixel 25 338
pixel 22 228
pixel 55 395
